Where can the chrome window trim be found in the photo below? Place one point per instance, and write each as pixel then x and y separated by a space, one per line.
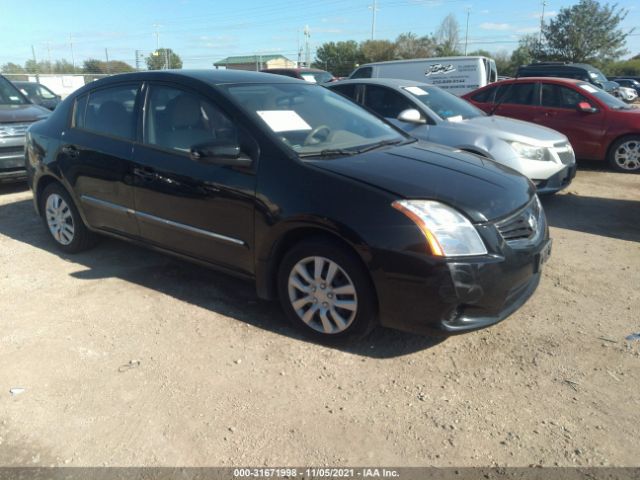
pixel 159 220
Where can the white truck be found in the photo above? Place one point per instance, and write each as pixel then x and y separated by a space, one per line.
pixel 457 75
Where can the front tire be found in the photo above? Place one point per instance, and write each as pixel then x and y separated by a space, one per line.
pixel 326 291
pixel 624 154
pixel 63 222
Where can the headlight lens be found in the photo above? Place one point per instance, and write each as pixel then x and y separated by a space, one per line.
pixel 448 232
pixel 530 152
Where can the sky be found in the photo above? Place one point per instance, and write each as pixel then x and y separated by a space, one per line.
pixel 205 31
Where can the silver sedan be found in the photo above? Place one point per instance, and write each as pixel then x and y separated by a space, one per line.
pixel 429 113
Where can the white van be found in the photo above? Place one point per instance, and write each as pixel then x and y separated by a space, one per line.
pixel 457 75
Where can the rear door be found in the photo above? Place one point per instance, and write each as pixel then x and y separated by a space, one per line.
pixel 97 152
pixel 516 100
pixel 559 110
pixel 201 210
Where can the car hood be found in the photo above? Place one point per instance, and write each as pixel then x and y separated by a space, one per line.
pixel 482 189
pixel 22 113
pixel 508 129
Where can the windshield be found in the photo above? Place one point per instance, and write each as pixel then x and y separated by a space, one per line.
pixel 597 75
pixel 9 95
pixel 312 120
pixel 606 98
pixel 316 77
pixel 444 104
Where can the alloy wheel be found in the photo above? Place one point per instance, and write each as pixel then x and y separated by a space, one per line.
pixel 627 155
pixel 59 219
pixel 322 295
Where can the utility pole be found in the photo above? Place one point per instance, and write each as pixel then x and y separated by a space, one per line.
pixel 544 4
pixel 35 63
pixel 138 54
pixel 49 57
pixel 307 48
pixel 466 35
pixel 106 55
pixel 374 9
pixel 73 62
pixel 157 34
pixel 166 58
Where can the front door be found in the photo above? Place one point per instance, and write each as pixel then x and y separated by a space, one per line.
pixel 559 110
pixel 516 100
pixel 201 210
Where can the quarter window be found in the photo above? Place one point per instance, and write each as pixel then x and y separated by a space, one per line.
pixel 179 120
pixel 110 111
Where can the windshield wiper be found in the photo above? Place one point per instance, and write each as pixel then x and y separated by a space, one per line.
pixel 382 143
pixel 329 152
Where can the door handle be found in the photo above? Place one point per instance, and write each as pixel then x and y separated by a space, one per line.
pixel 71 151
pixel 145 173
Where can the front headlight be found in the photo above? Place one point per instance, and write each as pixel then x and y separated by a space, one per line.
pixel 530 152
pixel 448 232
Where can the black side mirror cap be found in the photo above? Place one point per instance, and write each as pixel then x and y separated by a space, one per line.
pixel 220 154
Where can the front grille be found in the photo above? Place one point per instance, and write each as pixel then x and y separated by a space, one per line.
pixel 13 129
pixel 565 153
pixel 525 226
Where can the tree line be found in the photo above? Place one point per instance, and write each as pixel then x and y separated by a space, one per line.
pixel 587 32
pixel 157 60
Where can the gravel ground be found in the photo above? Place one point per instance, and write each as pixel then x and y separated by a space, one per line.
pixel 129 357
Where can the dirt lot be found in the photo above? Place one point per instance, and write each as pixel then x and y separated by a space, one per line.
pixel 128 357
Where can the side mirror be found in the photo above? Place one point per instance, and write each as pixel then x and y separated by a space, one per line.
pixel 411 115
pixel 586 107
pixel 220 154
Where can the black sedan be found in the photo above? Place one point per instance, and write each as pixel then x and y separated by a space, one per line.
pixel 346 219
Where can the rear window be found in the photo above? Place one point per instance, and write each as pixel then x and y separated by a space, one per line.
pixel 9 95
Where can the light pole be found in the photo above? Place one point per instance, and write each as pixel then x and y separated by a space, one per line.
pixel 544 4
pixel 374 9
pixel 466 35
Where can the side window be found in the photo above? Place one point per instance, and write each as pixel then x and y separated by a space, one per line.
pixel 348 90
pixel 364 72
pixel 178 120
pixel 79 109
pixel 557 96
pixel 486 96
pixel 44 93
pixel 518 94
pixel 385 101
pixel 110 111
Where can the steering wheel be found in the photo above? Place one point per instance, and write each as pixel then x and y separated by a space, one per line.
pixel 313 139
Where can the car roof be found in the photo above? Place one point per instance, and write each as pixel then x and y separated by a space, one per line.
pixel 568 81
pixel 292 69
pixel 212 77
pixel 388 82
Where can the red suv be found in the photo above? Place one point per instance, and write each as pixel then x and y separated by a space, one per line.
pixel 598 125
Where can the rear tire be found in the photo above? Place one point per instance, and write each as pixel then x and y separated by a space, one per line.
pixel 63 222
pixel 326 291
pixel 624 154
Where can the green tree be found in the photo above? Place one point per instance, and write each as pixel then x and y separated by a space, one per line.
pixel 12 68
pixel 586 32
pixel 64 66
pixel 409 45
pixel 377 50
pixel 504 64
pixel 628 68
pixel 480 53
pixel 448 36
pixel 340 58
pixel 163 58
pixel 526 52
